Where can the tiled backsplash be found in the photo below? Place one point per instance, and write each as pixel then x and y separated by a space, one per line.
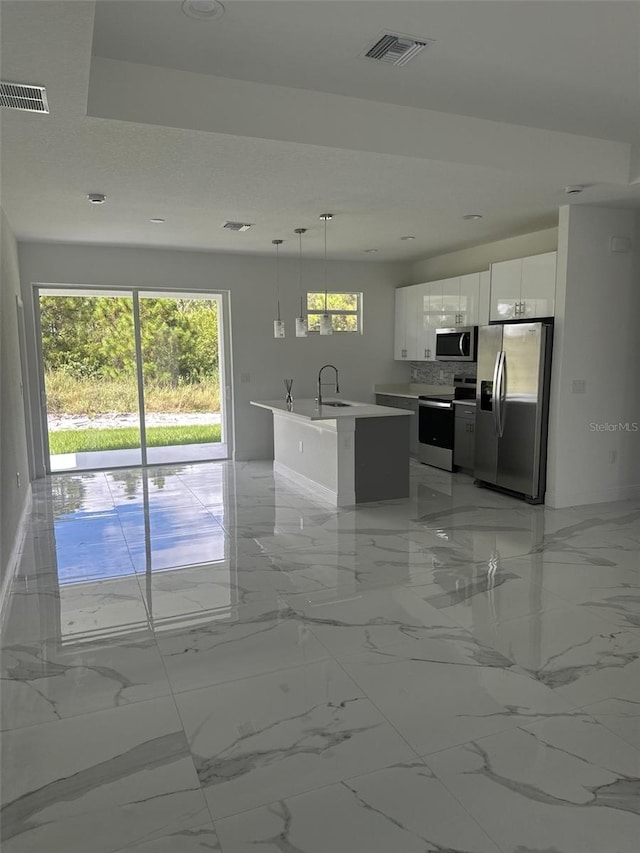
pixel 429 371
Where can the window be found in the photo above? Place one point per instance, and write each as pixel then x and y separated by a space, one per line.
pixel 345 310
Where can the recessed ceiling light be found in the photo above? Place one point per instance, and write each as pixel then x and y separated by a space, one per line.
pixel 96 198
pixel 369 251
pixel 204 10
pixel 472 216
pixel 156 220
pixel 408 237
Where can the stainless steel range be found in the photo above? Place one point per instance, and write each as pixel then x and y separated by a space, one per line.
pixel 436 423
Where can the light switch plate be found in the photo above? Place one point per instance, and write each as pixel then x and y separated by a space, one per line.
pixel 578 386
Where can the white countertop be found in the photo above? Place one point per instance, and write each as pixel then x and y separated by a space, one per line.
pixel 307 410
pixel 412 389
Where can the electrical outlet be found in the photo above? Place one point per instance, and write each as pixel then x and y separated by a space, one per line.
pixel 300 447
pixel 578 386
pixel 18 478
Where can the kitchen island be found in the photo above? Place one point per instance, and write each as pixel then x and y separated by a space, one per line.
pixel 346 452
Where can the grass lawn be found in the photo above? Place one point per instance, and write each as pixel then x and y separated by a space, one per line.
pixel 80 440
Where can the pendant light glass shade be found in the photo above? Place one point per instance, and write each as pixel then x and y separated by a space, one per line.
pixel 326 326
pixel 278 324
pixel 302 328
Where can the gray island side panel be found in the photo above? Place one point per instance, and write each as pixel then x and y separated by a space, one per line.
pixel 381 459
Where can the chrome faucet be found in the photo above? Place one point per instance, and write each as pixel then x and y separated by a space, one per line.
pixel 320 383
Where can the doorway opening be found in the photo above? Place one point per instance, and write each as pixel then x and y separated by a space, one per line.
pixel 132 377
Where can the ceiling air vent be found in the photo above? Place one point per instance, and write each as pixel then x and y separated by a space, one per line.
pixel 395 49
pixel 22 96
pixel 237 226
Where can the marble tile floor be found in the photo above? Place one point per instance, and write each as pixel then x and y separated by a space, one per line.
pixel 204 658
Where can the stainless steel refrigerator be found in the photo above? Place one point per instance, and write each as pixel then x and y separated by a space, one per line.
pixel 512 407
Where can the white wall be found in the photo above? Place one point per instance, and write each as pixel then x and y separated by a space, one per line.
pixel 13 445
pixel 597 339
pixel 481 257
pixel 362 360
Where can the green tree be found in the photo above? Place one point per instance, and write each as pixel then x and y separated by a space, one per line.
pixel 93 337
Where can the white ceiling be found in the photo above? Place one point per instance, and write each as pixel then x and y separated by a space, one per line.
pixel 176 135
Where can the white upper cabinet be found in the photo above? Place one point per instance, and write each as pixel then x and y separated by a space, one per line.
pixel 407 323
pixel 539 285
pixel 469 299
pixel 484 298
pixel 423 308
pixel 459 300
pixel 523 288
pixel 426 340
pixel 400 338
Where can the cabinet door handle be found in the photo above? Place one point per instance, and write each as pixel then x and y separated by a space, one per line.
pixel 428 353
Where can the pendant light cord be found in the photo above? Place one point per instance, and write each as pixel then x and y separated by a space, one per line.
pixel 278 278
pixel 276 243
pixel 300 232
pixel 325 264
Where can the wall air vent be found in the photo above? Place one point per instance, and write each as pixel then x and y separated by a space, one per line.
pixel 395 49
pixel 237 226
pixel 22 96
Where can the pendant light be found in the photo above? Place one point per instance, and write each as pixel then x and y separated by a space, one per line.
pixel 326 327
pixel 278 324
pixel 302 328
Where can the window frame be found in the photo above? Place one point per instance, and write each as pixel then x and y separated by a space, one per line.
pixel 336 312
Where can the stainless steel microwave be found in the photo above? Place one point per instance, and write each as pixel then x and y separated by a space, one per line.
pixel 459 344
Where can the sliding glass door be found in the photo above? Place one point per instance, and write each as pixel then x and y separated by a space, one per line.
pixel 89 359
pixel 131 377
pixel 181 377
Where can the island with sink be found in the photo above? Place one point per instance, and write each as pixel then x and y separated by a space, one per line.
pixel 346 451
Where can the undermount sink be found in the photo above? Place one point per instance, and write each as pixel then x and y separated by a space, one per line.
pixel 336 404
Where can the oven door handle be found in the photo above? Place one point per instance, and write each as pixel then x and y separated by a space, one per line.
pixel 434 404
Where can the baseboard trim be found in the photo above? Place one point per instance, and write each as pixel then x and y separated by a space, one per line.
pixel 599 496
pixel 16 553
pixel 318 491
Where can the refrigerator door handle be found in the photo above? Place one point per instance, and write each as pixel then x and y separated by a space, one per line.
pixel 494 395
pixel 501 393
